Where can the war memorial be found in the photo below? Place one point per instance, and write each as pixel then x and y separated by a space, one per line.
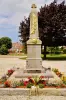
pixel 37 75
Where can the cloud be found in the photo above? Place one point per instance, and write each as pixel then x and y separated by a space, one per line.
pixel 17 9
pixel 12 12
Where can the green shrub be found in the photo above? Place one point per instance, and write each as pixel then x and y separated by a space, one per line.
pixel 57 52
pixel 3 50
pixel 6 41
pixel 64 51
pixel 56 58
pixel 42 56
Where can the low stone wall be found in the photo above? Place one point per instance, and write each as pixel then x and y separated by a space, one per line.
pixel 27 92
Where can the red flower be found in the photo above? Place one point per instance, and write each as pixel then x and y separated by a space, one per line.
pixel 25 83
pixel 29 77
pixel 10 72
pixel 44 83
pixel 42 77
pixel 31 80
pixel 7 83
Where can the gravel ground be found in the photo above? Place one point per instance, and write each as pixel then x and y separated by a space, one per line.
pixel 9 62
pixel 32 98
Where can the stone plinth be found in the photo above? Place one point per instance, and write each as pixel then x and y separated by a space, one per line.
pixel 33 73
pixel 34 60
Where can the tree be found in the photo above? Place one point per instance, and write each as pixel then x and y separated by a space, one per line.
pixel 24 29
pixel 52 22
pixel 3 50
pixel 6 41
pixel 0 42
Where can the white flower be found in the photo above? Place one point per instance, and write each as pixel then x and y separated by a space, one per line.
pixel 33 87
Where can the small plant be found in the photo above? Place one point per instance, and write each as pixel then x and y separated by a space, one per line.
pixel 55 70
pixel 10 72
pixel 21 83
pixel 7 84
pixel 15 84
pixel 29 85
pixel 31 81
pixel 64 82
pixel 59 74
pixel 41 85
pixel 3 79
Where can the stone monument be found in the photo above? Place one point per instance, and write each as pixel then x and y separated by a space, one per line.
pixel 33 61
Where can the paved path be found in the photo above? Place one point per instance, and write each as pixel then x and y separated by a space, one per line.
pixel 7 63
pixel 32 98
pixel 61 65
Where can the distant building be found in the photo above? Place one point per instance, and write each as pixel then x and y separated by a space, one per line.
pixel 16 47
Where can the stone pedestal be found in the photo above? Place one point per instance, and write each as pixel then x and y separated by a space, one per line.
pixel 34 60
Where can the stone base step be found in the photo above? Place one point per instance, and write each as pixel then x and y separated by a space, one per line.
pixel 26 75
pixel 34 70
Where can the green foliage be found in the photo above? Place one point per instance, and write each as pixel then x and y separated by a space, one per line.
pixel 55 70
pixel 51 21
pixel 6 41
pixel 51 49
pixel 56 57
pixel 42 56
pixel 41 85
pixel 24 50
pixel 64 82
pixel 21 83
pixel 29 85
pixel 64 51
pixel 0 42
pixel 15 84
pixel 62 48
pixel 3 50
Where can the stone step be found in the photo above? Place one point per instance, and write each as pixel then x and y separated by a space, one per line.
pixel 26 75
pixel 22 97
pixel 29 92
pixel 34 70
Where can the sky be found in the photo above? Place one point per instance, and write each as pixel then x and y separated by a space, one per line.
pixel 12 12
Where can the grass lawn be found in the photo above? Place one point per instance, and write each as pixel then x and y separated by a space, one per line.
pixel 50 57
pixel 56 56
pixel 17 54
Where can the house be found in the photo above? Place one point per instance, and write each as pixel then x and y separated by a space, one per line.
pixel 16 47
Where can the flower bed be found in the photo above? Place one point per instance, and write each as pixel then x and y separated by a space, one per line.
pixel 59 74
pixel 4 78
pixel 30 82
